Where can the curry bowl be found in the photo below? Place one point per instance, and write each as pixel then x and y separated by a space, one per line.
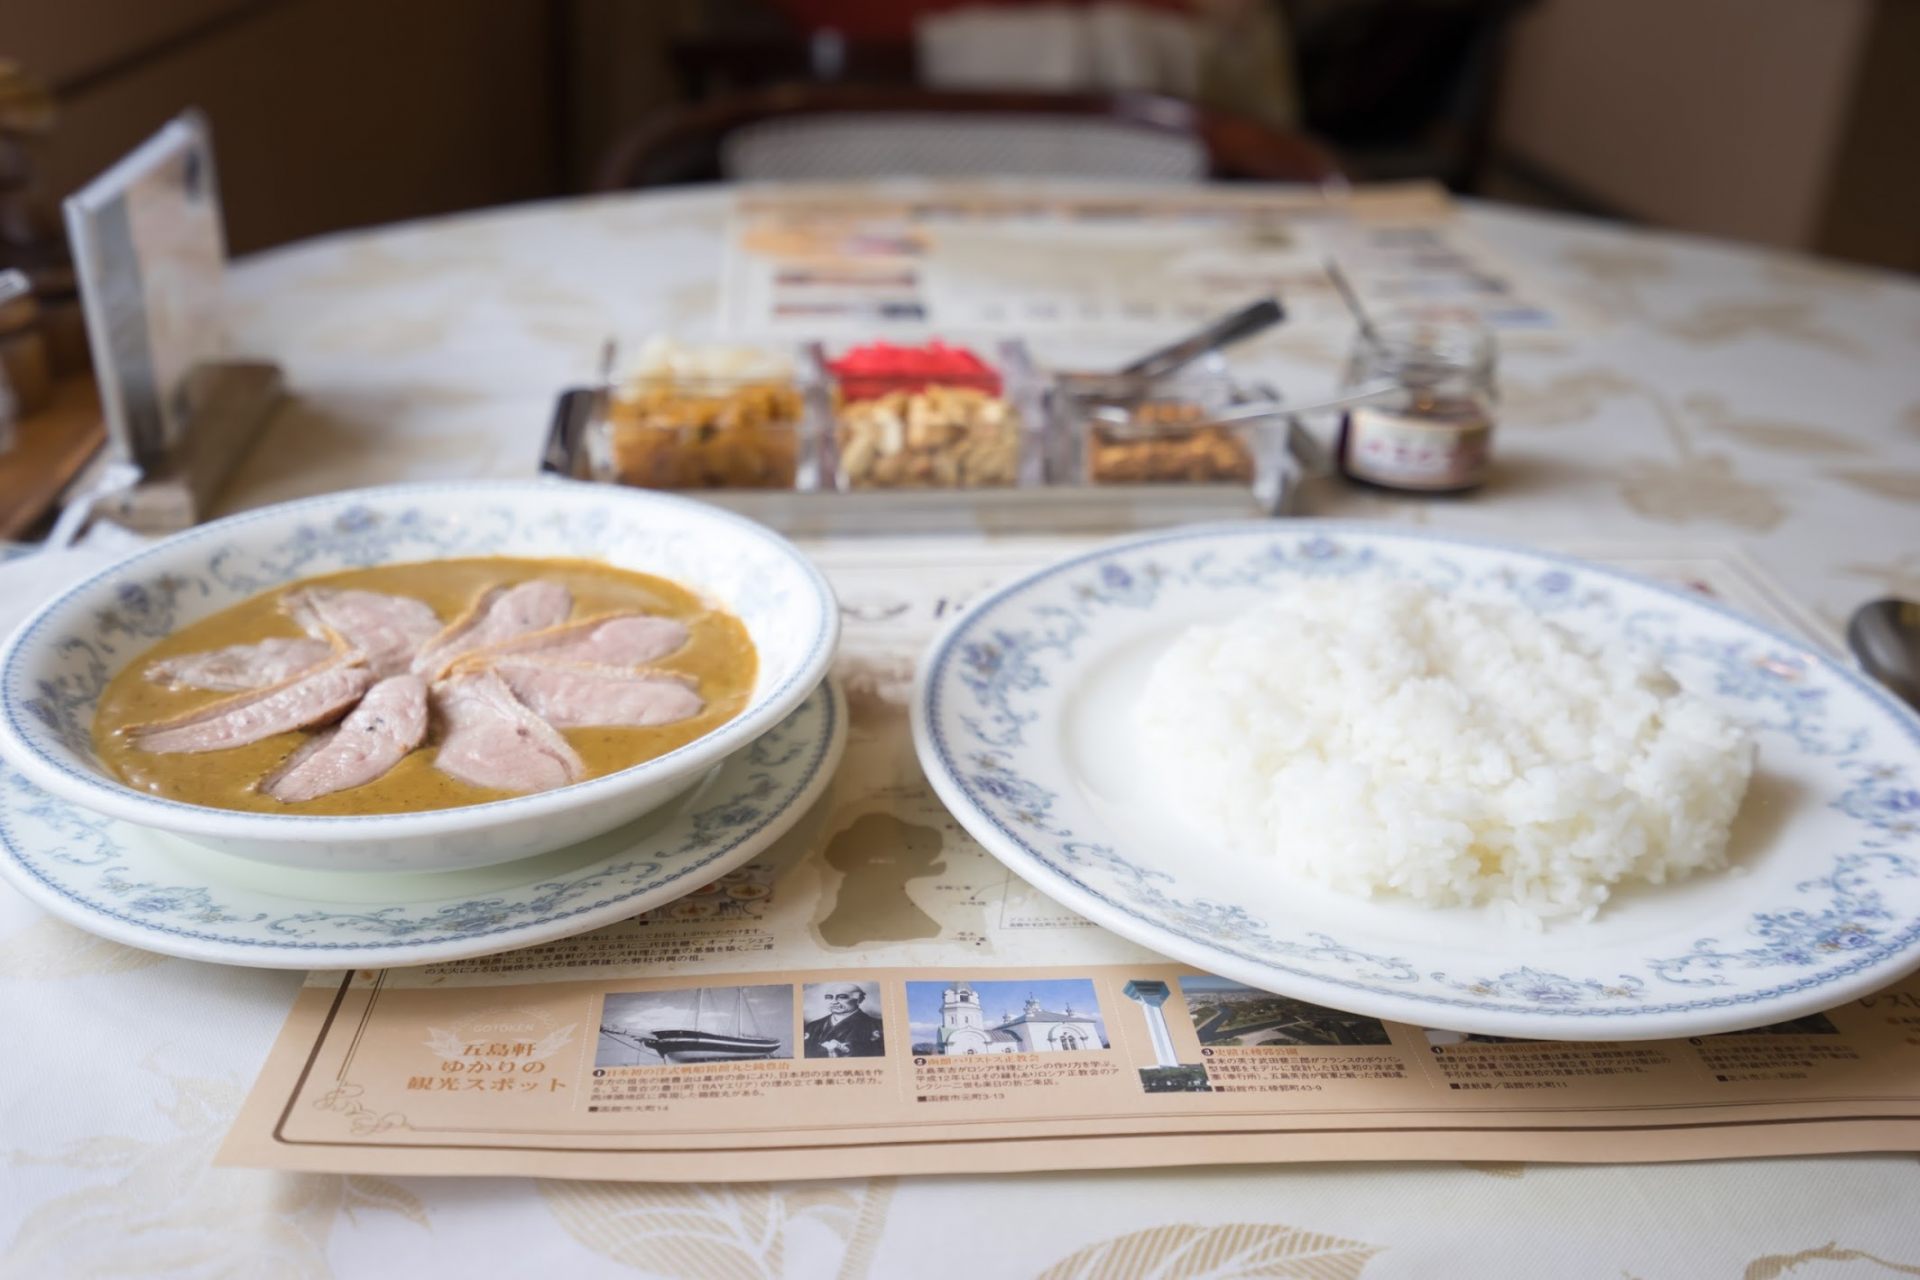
pixel 57 665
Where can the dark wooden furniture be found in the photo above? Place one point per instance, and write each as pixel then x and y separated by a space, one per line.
pixel 1403 88
pixel 686 144
pixel 50 448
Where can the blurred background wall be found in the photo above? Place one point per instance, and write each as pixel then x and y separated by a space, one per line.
pixel 1784 122
pixel 326 113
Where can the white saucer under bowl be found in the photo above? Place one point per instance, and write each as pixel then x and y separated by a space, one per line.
pixel 161 893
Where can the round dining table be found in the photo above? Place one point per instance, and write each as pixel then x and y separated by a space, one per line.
pixel 1713 395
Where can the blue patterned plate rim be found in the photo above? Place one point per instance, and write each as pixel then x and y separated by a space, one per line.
pixel 754 798
pixel 1079 870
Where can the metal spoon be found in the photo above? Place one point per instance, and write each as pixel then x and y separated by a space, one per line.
pixel 1114 415
pixel 1344 287
pixel 1885 636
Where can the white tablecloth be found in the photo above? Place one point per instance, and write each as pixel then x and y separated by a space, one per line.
pixel 1724 394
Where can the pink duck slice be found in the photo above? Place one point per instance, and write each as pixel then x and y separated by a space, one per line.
pixel 240 667
pixel 315 697
pixel 389 630
pixel 390 721
pixel 616 640
pixel 571 695
pixel 500 614
pixel 488 738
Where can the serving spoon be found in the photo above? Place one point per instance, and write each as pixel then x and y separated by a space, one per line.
pixel 1114 415
pixel 1885 636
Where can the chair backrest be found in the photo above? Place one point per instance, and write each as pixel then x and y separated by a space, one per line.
pixel 856 144
pixel 825 132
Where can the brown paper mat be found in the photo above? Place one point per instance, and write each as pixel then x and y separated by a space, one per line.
pixel 997 1032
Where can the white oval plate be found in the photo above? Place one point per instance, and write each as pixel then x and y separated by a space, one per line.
pixel 1022 717
pixel 162 893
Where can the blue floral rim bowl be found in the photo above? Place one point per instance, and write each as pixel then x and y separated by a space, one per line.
pixel 54 668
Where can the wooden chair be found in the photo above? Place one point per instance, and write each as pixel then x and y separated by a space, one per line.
pixel 830 132
pixel 1404 88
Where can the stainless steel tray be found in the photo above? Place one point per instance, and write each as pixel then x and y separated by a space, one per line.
pixel 815 509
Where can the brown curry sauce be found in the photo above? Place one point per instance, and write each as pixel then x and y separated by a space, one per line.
pixel 718 654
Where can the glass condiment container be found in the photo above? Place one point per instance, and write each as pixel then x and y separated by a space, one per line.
pixel 1436 436
pixel 23 351
pixel 690 417
pixel 933 417
pixel 1117 429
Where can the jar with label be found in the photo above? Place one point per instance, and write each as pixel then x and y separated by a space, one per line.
pixel 1436 436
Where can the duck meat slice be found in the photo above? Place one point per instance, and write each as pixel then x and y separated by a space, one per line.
pixel 500 614
pixel 573 695
pixel 241 666
pixel 319 696
pixel 488 738
pixel 389 630
pixel 376 735
pixel 614 640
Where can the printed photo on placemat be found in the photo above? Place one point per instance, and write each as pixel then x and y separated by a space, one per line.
pixel 1226 1012
pixel 842 1020
pixel 965 1017
pixel 698 1024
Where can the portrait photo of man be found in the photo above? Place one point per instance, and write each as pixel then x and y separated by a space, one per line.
pixel 838 1024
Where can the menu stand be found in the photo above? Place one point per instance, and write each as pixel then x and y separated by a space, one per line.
pixel 149 246
pixel 228 406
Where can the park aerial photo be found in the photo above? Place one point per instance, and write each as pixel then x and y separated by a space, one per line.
pixel 1225 1012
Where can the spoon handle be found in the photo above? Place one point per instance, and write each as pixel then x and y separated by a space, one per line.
pixel 1885 636
pixel 1344 287
pixel 1254 412
pixel 1116 421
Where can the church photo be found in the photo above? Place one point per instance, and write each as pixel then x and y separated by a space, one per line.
pixel 1059 1015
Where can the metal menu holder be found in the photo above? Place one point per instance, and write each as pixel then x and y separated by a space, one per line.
pixel 150 247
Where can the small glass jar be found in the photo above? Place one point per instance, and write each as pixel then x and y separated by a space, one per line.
pixel 1436 435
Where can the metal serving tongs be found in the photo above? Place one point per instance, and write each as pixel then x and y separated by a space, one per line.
pixel 1119 421
pixel 1226 331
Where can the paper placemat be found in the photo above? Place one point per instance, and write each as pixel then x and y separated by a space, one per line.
pixel 879 995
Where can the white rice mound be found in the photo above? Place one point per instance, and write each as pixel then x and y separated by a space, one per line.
pixel 1383 737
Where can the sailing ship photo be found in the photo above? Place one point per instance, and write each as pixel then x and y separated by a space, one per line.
pixel 695 1024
